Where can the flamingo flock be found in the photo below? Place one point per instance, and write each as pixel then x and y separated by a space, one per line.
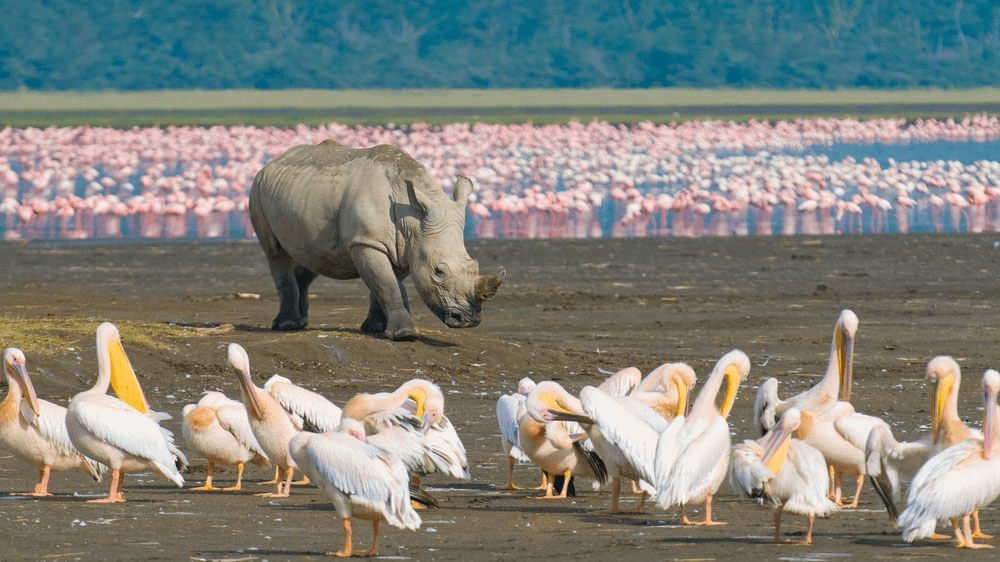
pixel 577 180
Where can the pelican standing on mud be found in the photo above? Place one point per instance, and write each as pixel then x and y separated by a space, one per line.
pixel 35 430
pixel 218 429
pixel 510 409
pixel 122 433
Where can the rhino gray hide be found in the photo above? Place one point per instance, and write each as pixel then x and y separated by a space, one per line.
pixel 373 213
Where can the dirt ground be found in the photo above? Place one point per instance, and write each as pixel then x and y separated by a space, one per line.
pixel 567 309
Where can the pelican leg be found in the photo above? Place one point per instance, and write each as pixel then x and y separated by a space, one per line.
pixel 635 488
pixel 207 487
pixel 838 490
pixel 548 488
pixel 967 532
pixel 857 493
pixel 303 482
pixel 279 485
pixel 347 552
pixel 544 483
pixel 566 480
pixel 809 531
pixel 42 487
pixel 373 551
pixel 708 522
pixel 275 480
pixel 833 483
pixel 959 537
pixel 977 533
pixel 239 480
pixel 510 475
pixel 287 488
pixel 115 490
pixel 777 525
pixel 642 503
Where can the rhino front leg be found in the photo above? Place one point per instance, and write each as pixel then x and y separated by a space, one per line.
pixel 376 321
pixel 377 273
pixel 283 272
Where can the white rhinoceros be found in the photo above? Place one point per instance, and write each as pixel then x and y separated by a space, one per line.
pixel 373 213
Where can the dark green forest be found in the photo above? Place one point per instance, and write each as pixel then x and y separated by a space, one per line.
pixel 277 44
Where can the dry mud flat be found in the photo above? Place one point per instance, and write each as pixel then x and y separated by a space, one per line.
pixel 567 309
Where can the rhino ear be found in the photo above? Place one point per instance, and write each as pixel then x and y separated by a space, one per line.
pixel 417 199
pixel 463 188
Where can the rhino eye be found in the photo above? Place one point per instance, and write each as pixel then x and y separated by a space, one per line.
pixel 439 272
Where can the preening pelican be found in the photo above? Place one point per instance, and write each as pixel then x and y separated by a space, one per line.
pixel 889 462
pixel 415 398
pixel 660 389
pixel 786 472
pixel 624 432
pixel 692 454
pixel 312 410
pixel 510 408
pixel 270 423
pixel 124 433
pixel 362 481
pixel 218 429
pixel 35 430
pixel 621 383
pixel 549 444
pixel 959 480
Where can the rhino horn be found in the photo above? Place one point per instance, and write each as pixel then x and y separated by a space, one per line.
pixel 463 188
pixel 487 286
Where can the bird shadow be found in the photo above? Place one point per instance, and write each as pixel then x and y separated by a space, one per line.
pixel 222 554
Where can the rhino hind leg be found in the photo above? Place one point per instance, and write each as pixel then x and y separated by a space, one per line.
pixel 388 309
pixel 283 272
pixel 304 278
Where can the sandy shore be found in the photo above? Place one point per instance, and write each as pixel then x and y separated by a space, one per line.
pixel 567 309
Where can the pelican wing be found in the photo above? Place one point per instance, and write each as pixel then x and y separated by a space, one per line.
pixel 812 483
pixel 765 406
pixel 52 425
pixel 628 425
pixel 318 414
pixel 233 418
pixel 699 445
pixel 442 437
pixel 394 417
pixel 509 408
pixel 364 473
pixel 120 425
pixel 747 474
pixel 622 382
pixel 855 428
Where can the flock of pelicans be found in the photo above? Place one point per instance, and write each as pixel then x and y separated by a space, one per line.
pixel 368 457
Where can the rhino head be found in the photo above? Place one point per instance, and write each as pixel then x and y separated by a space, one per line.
pixel 445 276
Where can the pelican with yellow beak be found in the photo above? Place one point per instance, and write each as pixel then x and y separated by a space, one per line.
pixel 270 423
pixel 692 453
pixel 959 480
pixel 35 430
pixel 122 433
pixel 624 432
pixel 785 472
pixel 661 388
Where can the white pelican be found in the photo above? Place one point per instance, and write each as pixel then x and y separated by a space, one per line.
pixel 423 400
pixel 510 408
pixel 692 454
pixel 316 413
pixel 786 472
pixel 889 461
pixel 621 383
pixel 624 432
pixel 660 388
pixel 831 426
pixel 124 433
pixel 550 445
pixel 270 423
pixel 362 480
pixel 35 430
pixel 959 480
pixel 218 429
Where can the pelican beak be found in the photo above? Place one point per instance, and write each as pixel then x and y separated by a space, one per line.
pixel 733 378
pixel 27 388
pixel 776 449
pixel 425 422
pixel 938 399
pixel 123 379
pixel 419 397
pixel 845 362
pixel 557 411
pixel 251 393
pixel 989 422
pixel 683 404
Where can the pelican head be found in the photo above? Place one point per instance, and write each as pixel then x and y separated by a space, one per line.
pixel 240 362
pixel 776 447
pixel 946 375
pixel 683 378
pixel 525 386
pixel 736 367
pixel 843 336
pixel 991 386
pixel 115 368
pixel 427 399
pixel 15 365
pixel 550 401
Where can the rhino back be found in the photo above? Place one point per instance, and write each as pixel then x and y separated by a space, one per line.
pixel 320 200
